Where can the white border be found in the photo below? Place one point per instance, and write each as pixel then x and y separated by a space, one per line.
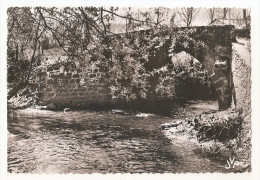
pixel 253 4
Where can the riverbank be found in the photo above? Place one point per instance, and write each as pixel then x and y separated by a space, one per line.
pixel 214 135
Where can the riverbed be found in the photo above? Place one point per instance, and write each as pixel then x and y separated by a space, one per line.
pixel 111 141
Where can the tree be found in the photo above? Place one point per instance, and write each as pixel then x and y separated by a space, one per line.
pixel 28 27
pixel 211 13
pixel 225 10
pixel 188 15
pixel 172 20
pixel 24 33
pixel 246 18
pixel 81 34
pixel 160 13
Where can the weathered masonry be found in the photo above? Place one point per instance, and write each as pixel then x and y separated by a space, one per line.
pixel 212 46
pixel 215 53
pixel 72 88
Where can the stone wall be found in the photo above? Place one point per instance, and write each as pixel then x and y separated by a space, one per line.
pixel 72 88
pixel 242 86
pixel 87 87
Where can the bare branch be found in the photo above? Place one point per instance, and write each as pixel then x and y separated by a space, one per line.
pixel 52 31
pixel 129 18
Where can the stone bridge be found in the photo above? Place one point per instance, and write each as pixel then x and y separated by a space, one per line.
pixel 212 46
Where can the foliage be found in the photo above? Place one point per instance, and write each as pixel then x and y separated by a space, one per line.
pixel 193 81
pixel 128 76
pixel 26 97
pixel 222 128
pixel 219 129
pixel 83 36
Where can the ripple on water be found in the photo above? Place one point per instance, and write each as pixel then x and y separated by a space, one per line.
pixel 88 142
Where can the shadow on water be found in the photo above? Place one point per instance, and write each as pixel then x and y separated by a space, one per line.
pixel 164 107
pixel 41 141
pixel 160 107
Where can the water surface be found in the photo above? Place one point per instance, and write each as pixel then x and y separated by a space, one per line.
pixel 41 141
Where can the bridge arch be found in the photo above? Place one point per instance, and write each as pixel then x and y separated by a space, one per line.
pixel 212 46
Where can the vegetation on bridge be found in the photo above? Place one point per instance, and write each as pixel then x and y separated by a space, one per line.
pixel 83 36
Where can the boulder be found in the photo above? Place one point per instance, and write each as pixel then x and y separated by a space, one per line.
pixel 51 106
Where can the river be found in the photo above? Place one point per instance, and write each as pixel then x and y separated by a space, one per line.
pixel 41 141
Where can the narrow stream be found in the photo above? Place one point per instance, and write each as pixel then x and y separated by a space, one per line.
pixel 41 141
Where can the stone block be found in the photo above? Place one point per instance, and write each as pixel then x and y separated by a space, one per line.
pixel 61 75
pixel 81 75
pixel 67 70
pixel 54 76
pixel 68 75
pixel 49 81
pixel 49 69
pixel 42 74
pixel 79 70
pixel 75 76
pixel 50 74
pixel 82 88
pixel 56 68
pixel 98 75
pixel 93 75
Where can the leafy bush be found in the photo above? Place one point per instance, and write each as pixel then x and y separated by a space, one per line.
pixel 192 81
pixel 223 127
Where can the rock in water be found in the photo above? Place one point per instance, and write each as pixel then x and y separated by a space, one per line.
pixel 144 115
pixel 51 106
pixel 165 126
pixel 67 110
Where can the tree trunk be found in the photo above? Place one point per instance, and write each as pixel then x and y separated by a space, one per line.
pixel 15 90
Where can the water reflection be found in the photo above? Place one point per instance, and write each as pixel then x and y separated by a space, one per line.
pixel 42 141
